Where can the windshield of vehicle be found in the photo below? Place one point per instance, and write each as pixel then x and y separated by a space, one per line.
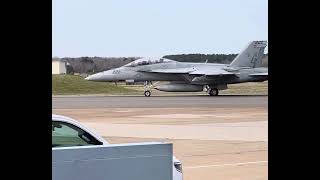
pixel 147 61
pixel 66 134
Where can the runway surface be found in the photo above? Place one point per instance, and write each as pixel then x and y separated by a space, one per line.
pixel 158 102
pixel 224 137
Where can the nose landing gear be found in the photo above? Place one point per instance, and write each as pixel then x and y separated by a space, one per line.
pixel 147 88
pixel 147 93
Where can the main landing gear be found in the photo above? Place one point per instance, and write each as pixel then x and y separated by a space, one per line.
pixel 212 91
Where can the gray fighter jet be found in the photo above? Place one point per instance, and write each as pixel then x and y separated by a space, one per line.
pixel 191 77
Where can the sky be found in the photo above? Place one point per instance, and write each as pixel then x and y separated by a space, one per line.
pixel 145 28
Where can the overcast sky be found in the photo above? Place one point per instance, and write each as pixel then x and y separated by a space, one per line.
pixel 122 28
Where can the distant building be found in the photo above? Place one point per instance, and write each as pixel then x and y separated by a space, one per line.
pixel 58 66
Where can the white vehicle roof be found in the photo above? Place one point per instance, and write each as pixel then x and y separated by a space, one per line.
pixel 76 123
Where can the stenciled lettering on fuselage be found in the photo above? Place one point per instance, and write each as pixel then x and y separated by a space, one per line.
pixel 116 71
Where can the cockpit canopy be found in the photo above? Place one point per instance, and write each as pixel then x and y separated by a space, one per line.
pixel 147 61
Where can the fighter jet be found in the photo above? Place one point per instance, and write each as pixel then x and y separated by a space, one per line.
pixel 191 77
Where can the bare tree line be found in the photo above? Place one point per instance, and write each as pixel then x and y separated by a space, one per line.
pixel 90 65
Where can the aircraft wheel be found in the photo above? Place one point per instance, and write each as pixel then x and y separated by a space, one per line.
pixel 213 92
pixel 147 93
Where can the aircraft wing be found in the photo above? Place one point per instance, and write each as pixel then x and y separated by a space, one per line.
pixel 212 72
pixel 171 71
pixel 193 71
pixel 259 74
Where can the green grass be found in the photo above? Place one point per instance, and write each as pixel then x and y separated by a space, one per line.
pixel 250 88
pixel 69 84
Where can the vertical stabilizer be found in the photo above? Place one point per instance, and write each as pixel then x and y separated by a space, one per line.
pixel 251 56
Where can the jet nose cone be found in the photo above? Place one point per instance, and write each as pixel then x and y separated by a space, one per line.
pixel 94 77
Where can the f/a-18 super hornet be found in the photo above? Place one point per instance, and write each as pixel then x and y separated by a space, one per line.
pixel 191 77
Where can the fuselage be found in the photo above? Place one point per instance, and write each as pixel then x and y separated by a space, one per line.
pixel 140 73
pixel 192 77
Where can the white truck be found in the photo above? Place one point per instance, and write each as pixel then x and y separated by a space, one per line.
pixel 79 153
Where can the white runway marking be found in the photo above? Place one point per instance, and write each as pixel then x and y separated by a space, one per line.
pixel 222 165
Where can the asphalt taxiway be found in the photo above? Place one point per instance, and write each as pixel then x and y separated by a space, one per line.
pixel 226 101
